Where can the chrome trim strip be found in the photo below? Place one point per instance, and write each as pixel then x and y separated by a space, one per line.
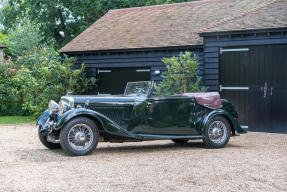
pixel 233 50
pixel 244 126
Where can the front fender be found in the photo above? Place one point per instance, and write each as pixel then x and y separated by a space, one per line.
pixel 43 118
pixel 108 125
pixel 42 121
pixel 227 115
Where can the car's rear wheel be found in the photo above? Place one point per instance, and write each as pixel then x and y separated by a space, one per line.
pixel 180 141
pixel 217 133
pixel 44 141
pixel 79 137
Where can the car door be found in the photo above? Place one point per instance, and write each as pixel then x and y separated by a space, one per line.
pixel 169 116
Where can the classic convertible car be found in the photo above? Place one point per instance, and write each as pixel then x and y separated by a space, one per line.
pixel 78 123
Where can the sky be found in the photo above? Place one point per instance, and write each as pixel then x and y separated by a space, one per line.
pixel 2 4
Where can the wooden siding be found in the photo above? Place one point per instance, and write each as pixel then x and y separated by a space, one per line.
pixel 132 58
pixel 214 41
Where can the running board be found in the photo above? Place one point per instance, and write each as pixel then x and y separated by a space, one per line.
pixel 148 136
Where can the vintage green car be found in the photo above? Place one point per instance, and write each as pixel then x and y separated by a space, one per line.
pixel 78 123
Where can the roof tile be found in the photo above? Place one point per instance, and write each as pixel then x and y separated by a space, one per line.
pixel 158 26
pixel 270 15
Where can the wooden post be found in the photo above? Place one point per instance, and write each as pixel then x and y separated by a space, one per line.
pixel 185 84
pixel 21 98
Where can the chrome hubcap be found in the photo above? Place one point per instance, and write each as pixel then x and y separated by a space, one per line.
pixel 80 137
pixel 217 132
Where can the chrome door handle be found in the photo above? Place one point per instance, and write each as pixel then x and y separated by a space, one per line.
pixel 265 89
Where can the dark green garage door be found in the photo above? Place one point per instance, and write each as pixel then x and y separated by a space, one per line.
pixel 114 80
pixel 255 80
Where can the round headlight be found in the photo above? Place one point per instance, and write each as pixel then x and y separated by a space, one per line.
pixel 53 106
pixel 63 107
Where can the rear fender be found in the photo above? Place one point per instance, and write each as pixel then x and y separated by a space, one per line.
pixel 108 125
pixel 234 123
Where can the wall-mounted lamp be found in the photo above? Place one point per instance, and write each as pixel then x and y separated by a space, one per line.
pixel 157 72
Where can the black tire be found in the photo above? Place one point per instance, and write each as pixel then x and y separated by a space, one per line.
pixel 180 141
pixel 220 121
pixel 64 141
pixel 47 144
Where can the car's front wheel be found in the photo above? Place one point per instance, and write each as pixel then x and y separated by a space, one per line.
pixel 217 133
pixel 79 137
pixel 45 142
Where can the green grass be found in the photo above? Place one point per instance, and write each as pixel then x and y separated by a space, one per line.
pixel 16 119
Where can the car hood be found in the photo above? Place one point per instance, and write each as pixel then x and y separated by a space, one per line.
pixel 97 99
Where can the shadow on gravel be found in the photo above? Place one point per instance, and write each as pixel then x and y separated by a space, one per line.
pixel 157 147
pixel 148 148
pixel 46 155
pixel 234 146
pixel 40 155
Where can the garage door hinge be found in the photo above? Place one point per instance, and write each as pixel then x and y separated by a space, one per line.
pixel 233 50
pixel 232 88
pixel 104 71
pixel 143 70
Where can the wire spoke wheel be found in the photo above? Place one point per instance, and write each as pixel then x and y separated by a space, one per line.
pixel 217 131
pixel 80 137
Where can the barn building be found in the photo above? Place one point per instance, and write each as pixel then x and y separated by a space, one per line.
pixel 241 46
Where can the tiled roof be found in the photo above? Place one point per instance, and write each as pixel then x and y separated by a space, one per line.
pixel 158 26
pixel 270 15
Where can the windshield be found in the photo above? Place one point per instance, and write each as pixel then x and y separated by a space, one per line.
pixel 141 88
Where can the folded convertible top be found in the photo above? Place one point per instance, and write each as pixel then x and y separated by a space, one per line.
pixel 210 100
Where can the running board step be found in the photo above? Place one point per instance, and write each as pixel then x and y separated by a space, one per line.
pixel 148 136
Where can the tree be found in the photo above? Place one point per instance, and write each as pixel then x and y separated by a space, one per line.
pixel 63 20
pixel 181 75
pixel 22 38
pixel 9 102
pixel 36 74
pixel 44 75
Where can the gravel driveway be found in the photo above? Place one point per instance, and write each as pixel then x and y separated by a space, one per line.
pixel 251 162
